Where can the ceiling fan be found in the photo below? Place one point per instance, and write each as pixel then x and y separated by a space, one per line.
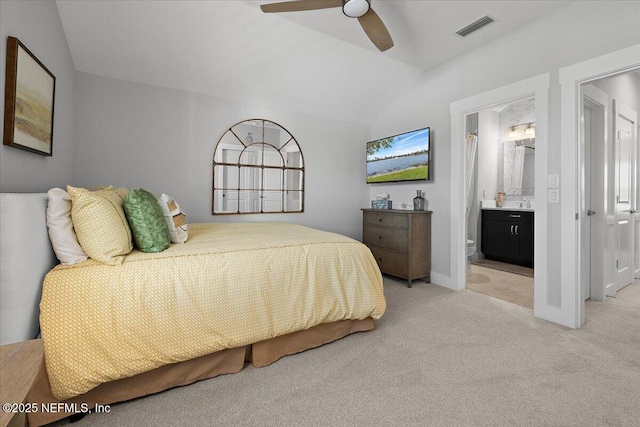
pixel 361 9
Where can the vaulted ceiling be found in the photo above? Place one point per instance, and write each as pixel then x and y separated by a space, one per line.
pixel 318 62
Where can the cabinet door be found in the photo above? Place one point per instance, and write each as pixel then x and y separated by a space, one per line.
pixel 498 239
pixel 525 247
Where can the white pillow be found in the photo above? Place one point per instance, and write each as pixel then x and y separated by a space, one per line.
pixel 175 218
pixel 63 237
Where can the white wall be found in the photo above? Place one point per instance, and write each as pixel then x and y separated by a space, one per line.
pixel 488 159
pixel 625 87
pixel 571 34
pixel 488 144
pixel 37 25
pixel 140 136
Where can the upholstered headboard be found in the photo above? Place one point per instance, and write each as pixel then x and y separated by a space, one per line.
pixel 26 256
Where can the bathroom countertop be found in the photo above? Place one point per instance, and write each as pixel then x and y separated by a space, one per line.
pixel 509 209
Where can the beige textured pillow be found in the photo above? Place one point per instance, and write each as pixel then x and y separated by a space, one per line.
pixel 63 238
pixel 100 224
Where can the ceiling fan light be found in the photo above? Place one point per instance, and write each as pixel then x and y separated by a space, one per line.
pixel 355 8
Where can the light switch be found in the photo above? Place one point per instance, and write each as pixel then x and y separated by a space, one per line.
pixel 553 196
pixel 553 181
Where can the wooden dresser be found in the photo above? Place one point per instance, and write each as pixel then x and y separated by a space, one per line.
pixel 19 364
pixel 400 242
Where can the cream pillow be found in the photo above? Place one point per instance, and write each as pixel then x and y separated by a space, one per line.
pixel 100 224
pixel 63 237
pixel 176 219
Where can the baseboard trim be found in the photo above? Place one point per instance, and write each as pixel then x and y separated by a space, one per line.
pixel 442 280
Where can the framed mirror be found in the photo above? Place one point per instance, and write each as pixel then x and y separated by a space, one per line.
pixel 519 167
pixel 258 167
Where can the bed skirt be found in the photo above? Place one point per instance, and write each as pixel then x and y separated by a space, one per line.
pixel 178 374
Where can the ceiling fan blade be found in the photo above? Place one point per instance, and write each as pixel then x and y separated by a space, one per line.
pixel 376 30
pixel 300 5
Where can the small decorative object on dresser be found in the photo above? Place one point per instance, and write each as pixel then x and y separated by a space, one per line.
pixel 418 202
pixel 381 204
pixel 400 241
pixel 382 201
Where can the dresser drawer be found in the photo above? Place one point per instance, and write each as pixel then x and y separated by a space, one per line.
pixel 386 219
pixel 391 262
pixel 389 238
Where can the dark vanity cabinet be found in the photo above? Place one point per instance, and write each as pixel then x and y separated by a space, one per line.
pixel 507 236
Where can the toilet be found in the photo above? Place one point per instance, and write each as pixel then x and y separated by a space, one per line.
pixel 471 250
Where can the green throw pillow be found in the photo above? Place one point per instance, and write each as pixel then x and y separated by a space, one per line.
pixel 148 226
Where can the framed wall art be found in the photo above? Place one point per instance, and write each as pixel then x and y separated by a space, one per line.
pixel 29 101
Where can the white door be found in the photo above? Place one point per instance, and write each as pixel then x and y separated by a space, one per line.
pixel 250 181
pixel 229 198
pixel 293 182
pixel 625 121
pixel 272 183
pixel 593 231
pixel 586 231
pixel 636 206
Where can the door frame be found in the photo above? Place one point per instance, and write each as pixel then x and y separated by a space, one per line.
pixel 537 87
pixel 572 155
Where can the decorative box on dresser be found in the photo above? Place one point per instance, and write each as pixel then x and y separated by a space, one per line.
pixel 400 241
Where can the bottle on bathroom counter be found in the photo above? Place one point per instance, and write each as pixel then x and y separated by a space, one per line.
pixel 500 199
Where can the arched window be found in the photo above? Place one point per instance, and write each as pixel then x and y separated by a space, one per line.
pixel 257 168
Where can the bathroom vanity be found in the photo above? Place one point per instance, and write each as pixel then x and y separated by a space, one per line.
pixel 507 235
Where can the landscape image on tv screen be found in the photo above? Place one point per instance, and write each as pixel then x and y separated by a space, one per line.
pixel 403 157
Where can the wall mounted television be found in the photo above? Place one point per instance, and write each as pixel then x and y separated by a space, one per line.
pixel 398 158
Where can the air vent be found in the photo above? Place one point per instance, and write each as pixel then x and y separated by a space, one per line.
pixel 485 20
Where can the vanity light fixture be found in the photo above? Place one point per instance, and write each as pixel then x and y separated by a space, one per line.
pixel 513 134
pixel 530 131
pixel 516 134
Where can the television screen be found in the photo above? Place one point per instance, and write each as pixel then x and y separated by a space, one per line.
pixel 404 157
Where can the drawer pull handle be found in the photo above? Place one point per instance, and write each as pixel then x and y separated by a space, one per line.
pixel 512 230
pixel 514 216
pixel 379 219
pixel 517 231
pixel 380 237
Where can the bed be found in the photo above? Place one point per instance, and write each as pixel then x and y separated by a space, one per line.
pixel 234 293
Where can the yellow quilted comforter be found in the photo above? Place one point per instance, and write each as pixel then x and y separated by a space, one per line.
pixel 230 285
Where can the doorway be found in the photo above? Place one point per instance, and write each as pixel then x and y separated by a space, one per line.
pixel 573 209
pixel 500 158
pixel 536 88
pixel 610 231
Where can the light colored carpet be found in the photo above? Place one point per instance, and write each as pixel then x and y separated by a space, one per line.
pixel 437 358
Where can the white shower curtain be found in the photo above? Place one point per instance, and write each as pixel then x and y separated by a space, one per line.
pixel 472 145
pixel 518 168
